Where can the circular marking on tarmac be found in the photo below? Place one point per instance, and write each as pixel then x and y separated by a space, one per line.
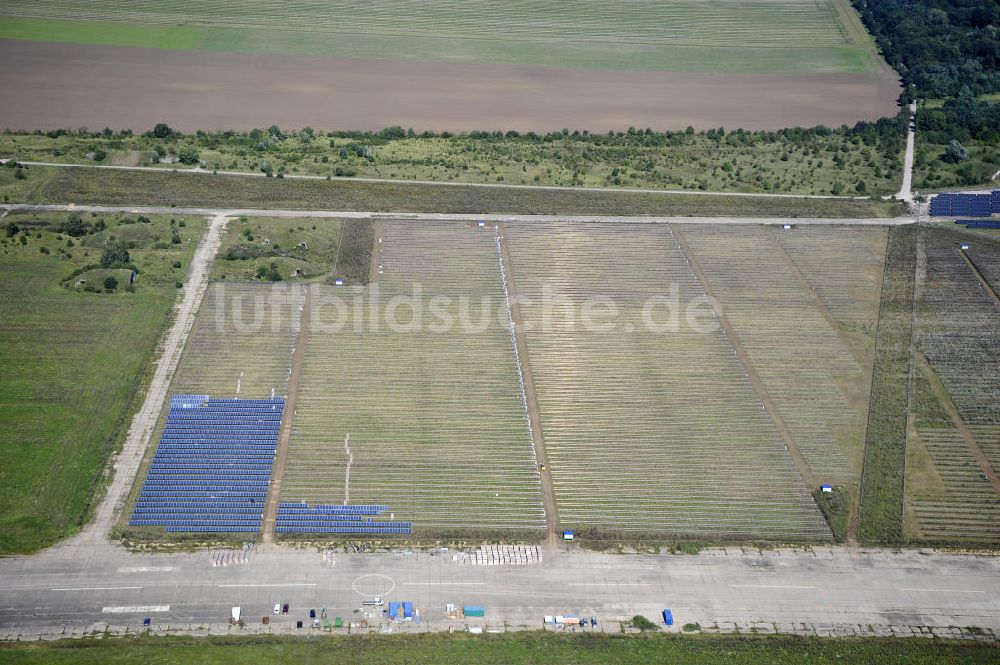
pixel 373 585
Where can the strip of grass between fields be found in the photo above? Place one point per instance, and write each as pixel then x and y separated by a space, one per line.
pixel 885 448
pixel 81 185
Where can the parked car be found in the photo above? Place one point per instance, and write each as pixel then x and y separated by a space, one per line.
pixel 593 621
pixel 312 614
pixel 668 617
pixel 583 621
pixel 284 608
pixel 277 608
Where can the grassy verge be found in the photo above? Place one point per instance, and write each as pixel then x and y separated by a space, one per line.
pixel 836 508
pixel 184 189
pixel 355 257
pixel 73 355
pixel 885 448
pixel 512 649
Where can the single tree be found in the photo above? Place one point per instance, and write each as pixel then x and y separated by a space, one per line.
pixel 115 254
pixel 162 131
pixel 955 153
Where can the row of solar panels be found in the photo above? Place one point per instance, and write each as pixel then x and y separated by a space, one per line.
pixel 200 510
pixel 205 411
pixel 139 521
pixel 316 517
pixel 201 400
pixel 213 529
pixel 979 223
pixel 201 443
pixel 400 528
pixel 199 464
pixel 208 481
pixel 239 504
pixel 361 509
pixel 228 426
pixel 200 494
pixel 347 524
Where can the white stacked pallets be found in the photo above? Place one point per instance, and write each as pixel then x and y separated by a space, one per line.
pixel 504 555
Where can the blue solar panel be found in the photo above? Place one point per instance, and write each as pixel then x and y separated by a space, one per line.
pixel 212 466
pixel 300 517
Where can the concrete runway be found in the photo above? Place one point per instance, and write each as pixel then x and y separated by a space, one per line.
pixel 84 586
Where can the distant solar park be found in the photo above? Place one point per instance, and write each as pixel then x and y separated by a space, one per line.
pixel 966 205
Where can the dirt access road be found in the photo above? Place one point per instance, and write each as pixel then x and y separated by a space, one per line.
pixel 126 464
pixel 50 85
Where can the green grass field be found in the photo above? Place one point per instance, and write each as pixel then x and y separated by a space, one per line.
pixel 515 649
pixel 679 35
pixel 72 362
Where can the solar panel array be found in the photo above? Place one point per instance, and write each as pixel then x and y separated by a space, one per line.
pixel 300 517
pixel 967 205
pixel 211 469
pixel 979 223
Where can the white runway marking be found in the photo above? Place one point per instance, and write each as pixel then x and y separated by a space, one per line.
pixel 442 583
pixel 945 590
pixel 240 586
pixel 608 584
pixel 135 609
pixel 768 586
pixel 96 588
pixel 146 569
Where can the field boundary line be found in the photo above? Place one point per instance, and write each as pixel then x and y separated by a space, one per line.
pixel 532 412
pixel 285 434
pixel 127 462
pixel 755 381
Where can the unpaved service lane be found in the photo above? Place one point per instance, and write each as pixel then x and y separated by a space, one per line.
pixel 49 85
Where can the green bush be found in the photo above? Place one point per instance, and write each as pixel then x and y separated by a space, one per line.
pixel 642 623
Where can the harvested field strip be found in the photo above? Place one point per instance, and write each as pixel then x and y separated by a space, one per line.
pixel 885 448
pixel 805 368
pixel 435 415
pixel 747 23
pixel 970 509
pixel 637 420
pixel 848 280
pixel 241 343
pixel 141 188
pixel 985 256
pixel 959 333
